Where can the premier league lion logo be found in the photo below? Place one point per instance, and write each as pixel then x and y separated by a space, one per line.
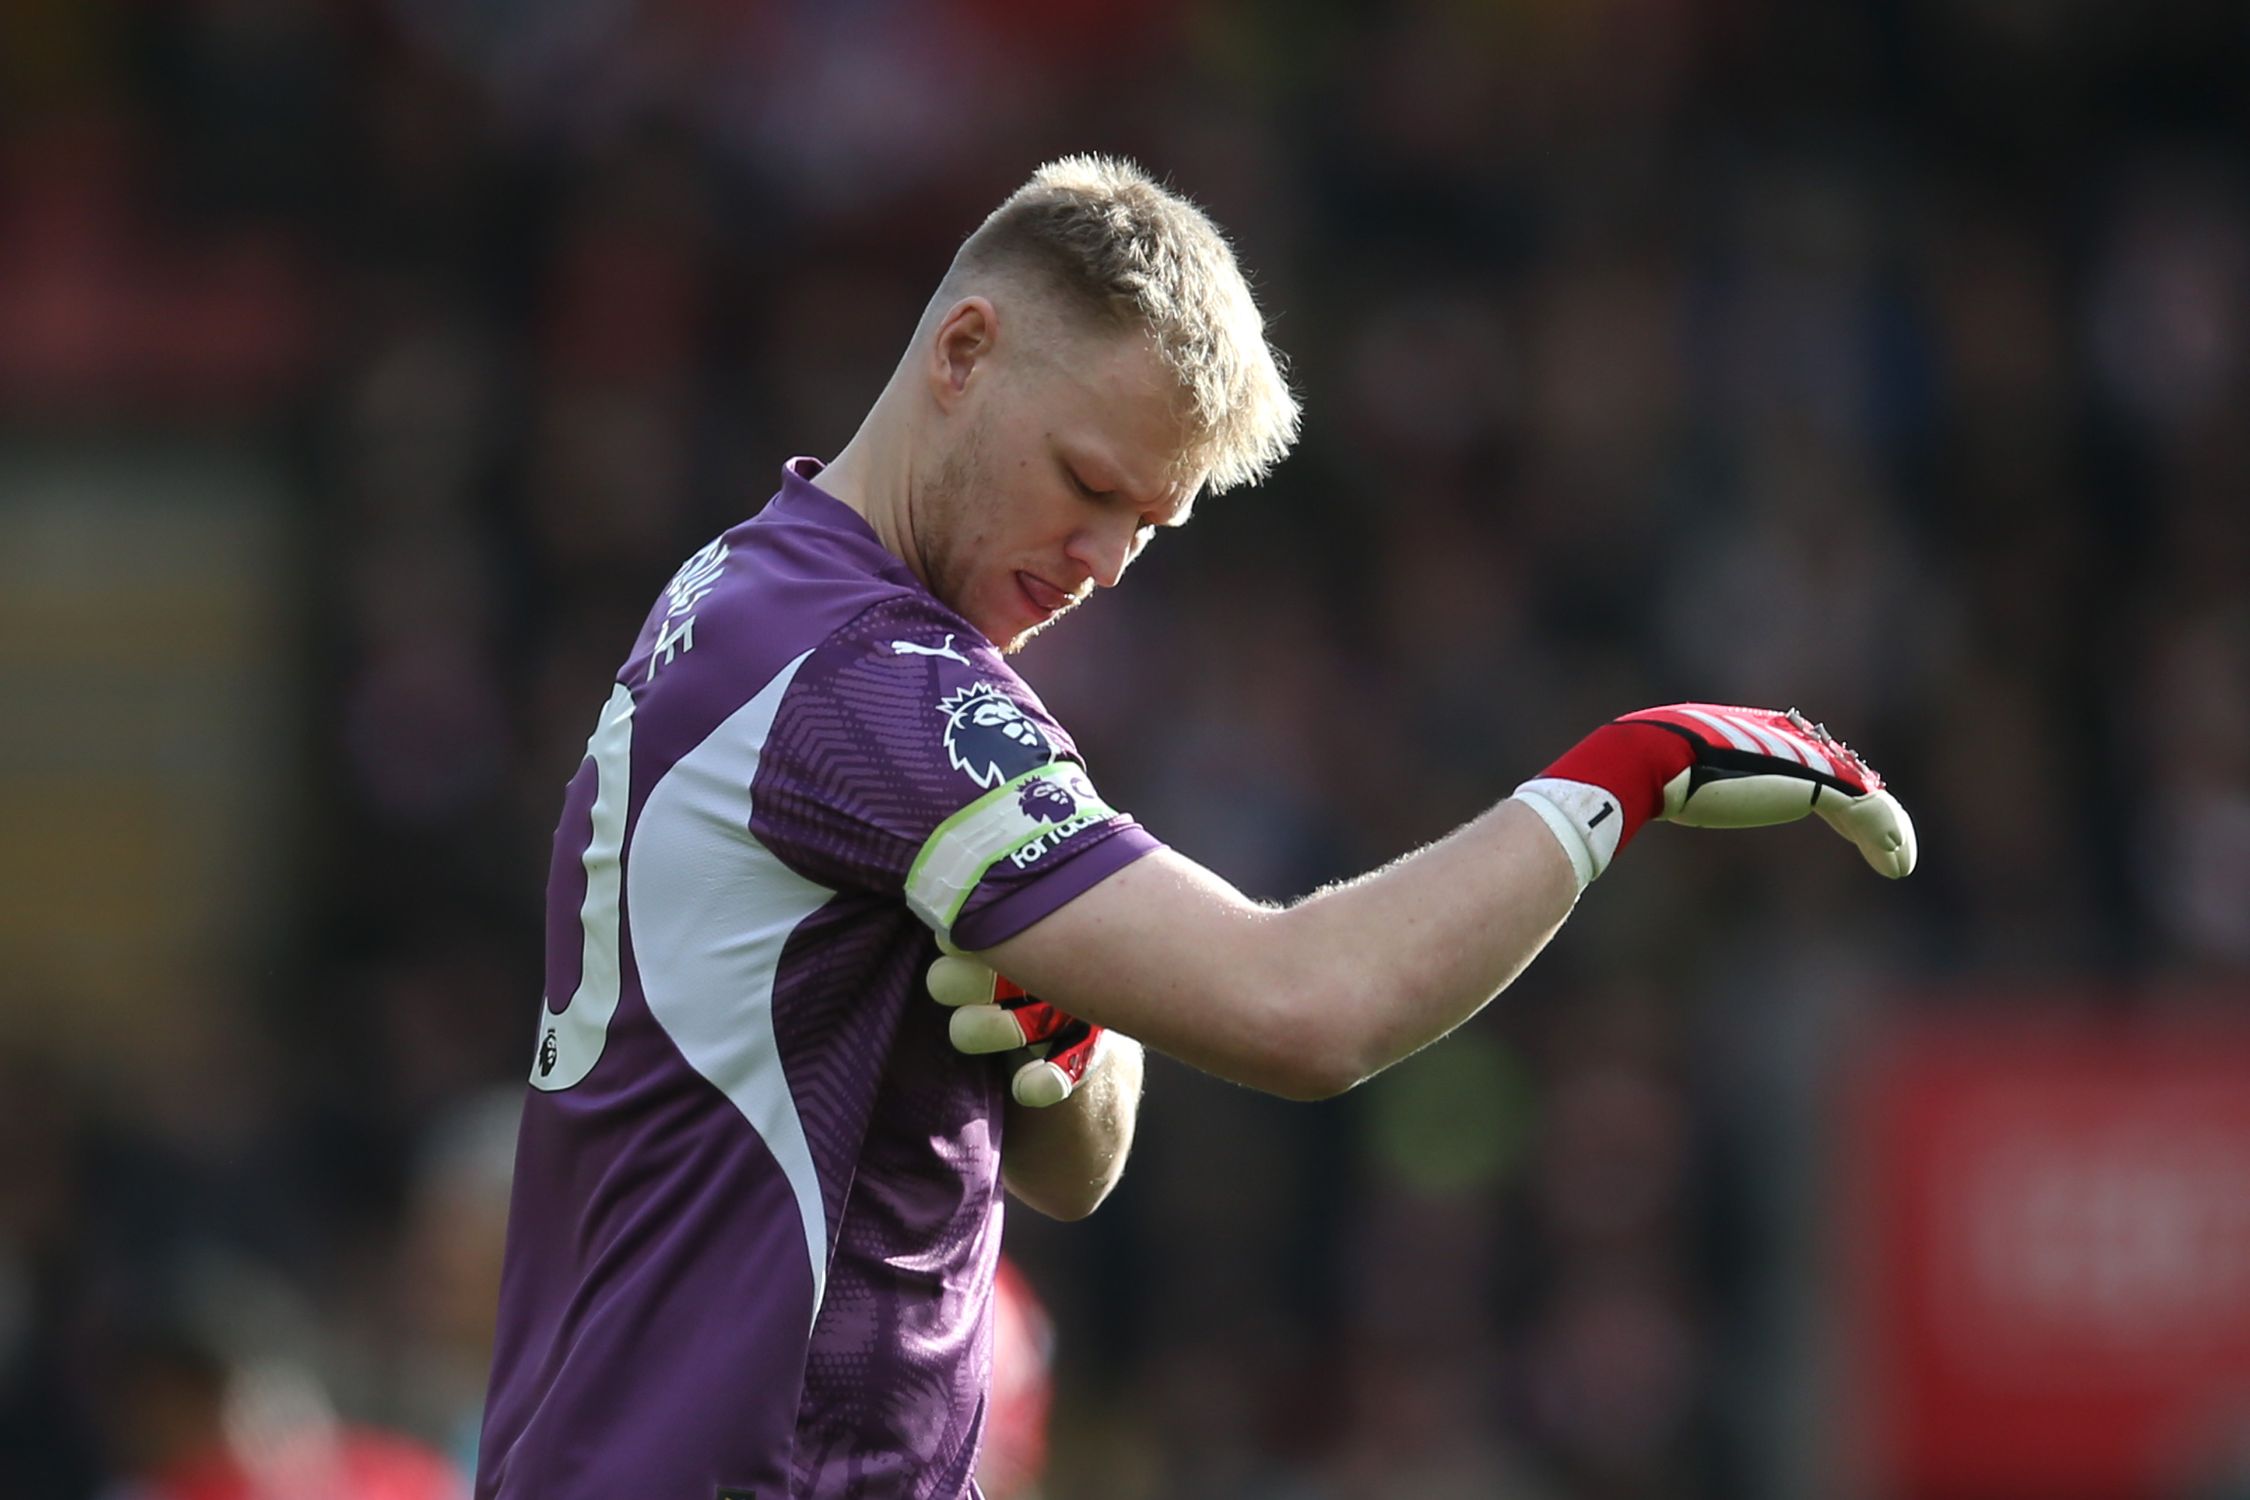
pixel 988 737
pixel 1049 801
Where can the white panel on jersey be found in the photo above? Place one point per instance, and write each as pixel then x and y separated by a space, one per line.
pixel 711 908
pixel 572 1042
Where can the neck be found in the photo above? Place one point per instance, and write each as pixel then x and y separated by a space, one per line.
pixel 872 476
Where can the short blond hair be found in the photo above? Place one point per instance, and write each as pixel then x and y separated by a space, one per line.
pixel 1121 247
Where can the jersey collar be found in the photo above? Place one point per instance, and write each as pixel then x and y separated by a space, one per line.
pixel 808 504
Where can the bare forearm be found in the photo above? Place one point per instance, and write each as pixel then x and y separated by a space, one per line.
pixel 1063 1160
pixel 1308 1000
pixel 1425 942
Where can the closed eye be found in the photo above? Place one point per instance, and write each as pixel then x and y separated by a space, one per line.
pixel 1141 533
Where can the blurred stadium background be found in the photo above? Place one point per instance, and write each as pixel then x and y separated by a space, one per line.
pixel 366 366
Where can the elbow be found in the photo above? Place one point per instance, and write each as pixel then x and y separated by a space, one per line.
pixel 1064 1203
pixel 1314 1078
pixel 1334 1017
pixel 1320 1056
pixel 1070 1210
pixel 1302 1027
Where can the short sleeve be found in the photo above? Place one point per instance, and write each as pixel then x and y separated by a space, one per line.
pixel 906 758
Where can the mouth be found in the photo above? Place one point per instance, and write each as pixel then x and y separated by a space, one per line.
pixel 1043 596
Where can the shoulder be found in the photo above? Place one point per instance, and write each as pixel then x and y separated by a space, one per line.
pixel 759 602
pixel 910 651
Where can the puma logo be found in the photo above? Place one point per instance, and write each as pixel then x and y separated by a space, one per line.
pixel 909 648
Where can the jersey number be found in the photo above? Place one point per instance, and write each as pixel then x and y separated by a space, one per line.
pixel 571 1043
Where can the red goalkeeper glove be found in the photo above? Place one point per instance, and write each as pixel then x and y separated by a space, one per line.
pixel 992 1014
pixel 1709 765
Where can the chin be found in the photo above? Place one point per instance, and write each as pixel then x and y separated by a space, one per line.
pixel 1008 629
pixel 1023 637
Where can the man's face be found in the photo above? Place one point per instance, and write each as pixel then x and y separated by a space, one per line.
pixel 1056 465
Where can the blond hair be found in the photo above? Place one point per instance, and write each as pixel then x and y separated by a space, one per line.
pixel 1122 248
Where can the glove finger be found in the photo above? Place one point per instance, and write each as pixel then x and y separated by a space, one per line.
pixel 1049 1080
pixel 1878 824
pixel 979 1029
pixel 961 981
pixel 1041 1085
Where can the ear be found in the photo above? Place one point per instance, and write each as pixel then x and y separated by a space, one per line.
pixel 964 340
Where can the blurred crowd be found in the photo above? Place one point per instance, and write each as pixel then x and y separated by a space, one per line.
pixel 1886 360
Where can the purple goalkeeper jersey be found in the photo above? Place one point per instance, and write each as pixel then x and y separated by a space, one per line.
pixel 757 1199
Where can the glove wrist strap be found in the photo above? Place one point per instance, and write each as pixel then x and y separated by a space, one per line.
pixel 1584 820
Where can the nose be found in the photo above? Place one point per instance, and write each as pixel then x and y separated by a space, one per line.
pixel 1106 550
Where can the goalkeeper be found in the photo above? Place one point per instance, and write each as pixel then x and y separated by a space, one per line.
pixel 758 1191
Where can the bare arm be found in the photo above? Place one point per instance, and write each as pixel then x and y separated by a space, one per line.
pixel 1308 1000
pixel 1063 1160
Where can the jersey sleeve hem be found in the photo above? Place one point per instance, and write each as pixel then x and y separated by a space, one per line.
pixel 1021 821
pixel 1021 907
